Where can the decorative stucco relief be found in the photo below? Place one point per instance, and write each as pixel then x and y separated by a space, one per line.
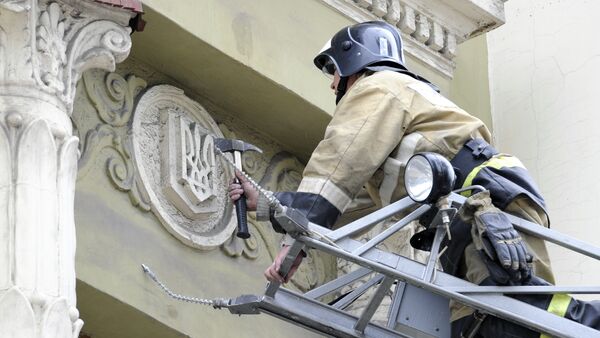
pixel 58 43
pixel 157 146
pixel 184 180
pixel 113 97
pixel 189 166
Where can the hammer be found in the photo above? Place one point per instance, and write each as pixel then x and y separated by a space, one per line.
pixel 237 147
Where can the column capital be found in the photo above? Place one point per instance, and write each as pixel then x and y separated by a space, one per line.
pixel 46 45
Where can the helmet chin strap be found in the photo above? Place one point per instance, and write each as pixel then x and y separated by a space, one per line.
pixel 341 89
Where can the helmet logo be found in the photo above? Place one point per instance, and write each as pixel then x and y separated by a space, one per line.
pixel 383 47
pixel 346 45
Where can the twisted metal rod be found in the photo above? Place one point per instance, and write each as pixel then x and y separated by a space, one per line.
pixel 216 303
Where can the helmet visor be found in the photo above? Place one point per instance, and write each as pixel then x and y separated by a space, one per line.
pixel 328 68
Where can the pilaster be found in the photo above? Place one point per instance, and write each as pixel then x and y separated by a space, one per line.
pixel 44 48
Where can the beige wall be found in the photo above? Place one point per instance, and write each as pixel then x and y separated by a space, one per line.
pixel 544 67
pixel 250 65
pixel 469 88
pixel 250 57
pixel 114 237
pixel 255 59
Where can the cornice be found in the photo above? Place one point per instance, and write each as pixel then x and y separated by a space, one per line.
pixel 431 29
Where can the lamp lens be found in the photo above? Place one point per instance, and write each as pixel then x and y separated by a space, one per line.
pixel 418 178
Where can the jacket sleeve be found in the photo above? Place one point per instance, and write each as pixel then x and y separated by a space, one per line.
pixel 367 125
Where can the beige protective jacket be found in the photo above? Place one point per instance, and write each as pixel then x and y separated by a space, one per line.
pixel 382 120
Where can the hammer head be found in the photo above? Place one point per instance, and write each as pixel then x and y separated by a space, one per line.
pixel 228 145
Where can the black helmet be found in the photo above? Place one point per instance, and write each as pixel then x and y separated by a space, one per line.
pixel 357 47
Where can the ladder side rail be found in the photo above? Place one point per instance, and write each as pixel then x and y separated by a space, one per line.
pixel 392 230
pixel 410 271
pixel 371 219
pixel 337 283
pixel 544 233
pixel 313 315
pixel 526 289
pixel 476 299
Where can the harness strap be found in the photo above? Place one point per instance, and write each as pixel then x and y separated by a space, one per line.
pixel 473 153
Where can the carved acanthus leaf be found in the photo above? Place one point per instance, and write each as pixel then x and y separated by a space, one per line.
pixel 100 44
pixel 51 47
pixel 15 302
pixel 15 5
pixel 59 42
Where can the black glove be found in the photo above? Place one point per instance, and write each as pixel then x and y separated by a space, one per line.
pixel 493 233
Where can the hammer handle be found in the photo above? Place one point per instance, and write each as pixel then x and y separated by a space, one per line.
pixel 242 220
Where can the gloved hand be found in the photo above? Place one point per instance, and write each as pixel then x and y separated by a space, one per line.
pixel 493 233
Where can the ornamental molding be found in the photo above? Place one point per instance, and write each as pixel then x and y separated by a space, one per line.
pixel 431 30
pixel 46 45
pixel 156 145
pixel 175 160
pixel 112 96
pixel 190 165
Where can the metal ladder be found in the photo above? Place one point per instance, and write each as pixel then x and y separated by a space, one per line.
pixel 420 292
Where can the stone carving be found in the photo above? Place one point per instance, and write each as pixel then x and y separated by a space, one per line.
pixel 112 96
pixel 44 47
pixel 51 47
pixel 189 166
pixel 15 5
pixel 2 53
pixel 83 54
pixel 42 286
pixel 196 211
pixel 250 247
pixel 68 41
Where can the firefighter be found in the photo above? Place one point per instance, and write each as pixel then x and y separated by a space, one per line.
pixel 386 113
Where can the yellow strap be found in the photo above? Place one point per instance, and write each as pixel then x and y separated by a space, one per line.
pixel 558 306
pixel 497 162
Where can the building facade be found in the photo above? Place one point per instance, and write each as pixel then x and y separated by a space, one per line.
pixel 543 64
pixel 106 143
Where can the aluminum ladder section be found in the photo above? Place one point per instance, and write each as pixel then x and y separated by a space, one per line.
pixel 420 292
